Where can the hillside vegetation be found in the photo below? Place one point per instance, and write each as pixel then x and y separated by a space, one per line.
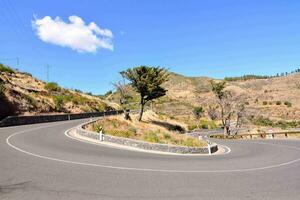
pixel 22 94
pixel 275 98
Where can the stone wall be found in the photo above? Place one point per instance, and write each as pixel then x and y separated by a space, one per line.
pixel 145 145
pixel 22 120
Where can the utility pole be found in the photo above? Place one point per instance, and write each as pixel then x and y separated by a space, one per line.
pixel 47 66
pixel 18 61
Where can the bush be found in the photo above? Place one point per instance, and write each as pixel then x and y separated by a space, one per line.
pixel 26 73
pixel 4 68
pixel 58 102
pixel 208 124
pixel 151 137
pixel 120 133
pixel 265 103
pixel 52 86
pixel 108 93
pixel 191 142
pixel 192 127
pixel 97 128
pixel 288 104
pixel 167 136
pixel 31 100
pixel 101 107
pixel 278 103
pixel 204 126
pixel 261 121
pixel 198 112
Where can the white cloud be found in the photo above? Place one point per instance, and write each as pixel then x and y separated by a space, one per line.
pixel 74 34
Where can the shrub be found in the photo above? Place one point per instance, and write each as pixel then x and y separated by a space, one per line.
pixel 204 126
pixel 52 86
pixel 31 100
pixel 58 102
pixel 120 133
pixel 151 137
pixel 192 127
pixel 132 129
pixel 288 104
pixel 26 73
pixel 77 90
pixel 101 107
pixel 198 112
pixel 265 103
pixel 97 127
pixel 278 103
pixel 108 93
pixel 192 142
pixel 4 68
pixel 208 124
pixel 262 121
pixel 167 136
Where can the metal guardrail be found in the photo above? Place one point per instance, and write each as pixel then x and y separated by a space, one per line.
pixel 254 135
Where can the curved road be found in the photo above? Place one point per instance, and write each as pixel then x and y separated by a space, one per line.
pixel 40 162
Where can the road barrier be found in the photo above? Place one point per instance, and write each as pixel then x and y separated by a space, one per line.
pixel 22 120
pixel 256 135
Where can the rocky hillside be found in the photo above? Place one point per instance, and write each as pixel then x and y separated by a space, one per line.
pixel 277 98
pixel 22 94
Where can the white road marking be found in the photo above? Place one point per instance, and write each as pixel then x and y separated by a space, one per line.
pixel 143 169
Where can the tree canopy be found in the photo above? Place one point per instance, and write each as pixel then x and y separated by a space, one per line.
pixel 147 81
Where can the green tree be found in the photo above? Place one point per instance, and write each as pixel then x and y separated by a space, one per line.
pixel 147 82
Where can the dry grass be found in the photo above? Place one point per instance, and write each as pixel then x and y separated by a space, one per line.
pixel 145 130
pixel 186 92
pixel 32 96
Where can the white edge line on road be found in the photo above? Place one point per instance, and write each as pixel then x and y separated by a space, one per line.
pixel 140 169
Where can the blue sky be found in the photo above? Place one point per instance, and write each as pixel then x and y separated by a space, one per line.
pixel 213 38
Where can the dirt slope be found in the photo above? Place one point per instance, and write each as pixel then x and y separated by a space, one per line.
pixel 22 94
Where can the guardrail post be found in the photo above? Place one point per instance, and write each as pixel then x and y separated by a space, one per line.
pixel 69 117
pixel 101 136
pixel 209 150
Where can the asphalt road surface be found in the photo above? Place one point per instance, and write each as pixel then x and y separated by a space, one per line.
pixel 40 162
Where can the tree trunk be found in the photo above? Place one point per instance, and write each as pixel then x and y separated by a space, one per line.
pixel 142 109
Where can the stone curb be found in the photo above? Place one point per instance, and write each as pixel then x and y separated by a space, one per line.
pixel 211 148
